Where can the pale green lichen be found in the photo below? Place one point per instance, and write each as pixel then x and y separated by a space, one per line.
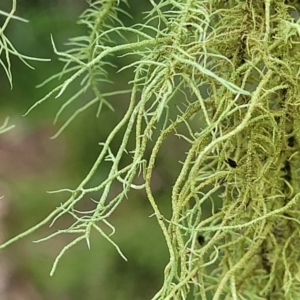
pixel 237 65
pixel 7 50
pixel 6 47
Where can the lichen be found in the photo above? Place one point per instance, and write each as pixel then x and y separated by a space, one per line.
pixel 237 65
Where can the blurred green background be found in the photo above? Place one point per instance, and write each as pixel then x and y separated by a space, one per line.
pixel 31 164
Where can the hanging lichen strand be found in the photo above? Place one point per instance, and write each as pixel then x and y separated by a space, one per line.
pixel 247 155
pixel 234 67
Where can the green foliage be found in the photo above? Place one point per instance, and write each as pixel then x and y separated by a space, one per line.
pixel 231 70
